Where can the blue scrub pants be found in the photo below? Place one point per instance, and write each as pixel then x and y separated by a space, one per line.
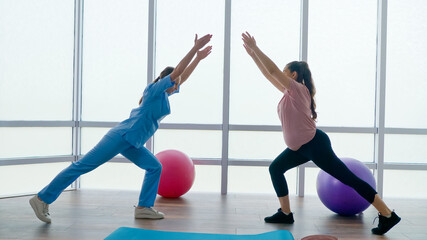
pixel 109 146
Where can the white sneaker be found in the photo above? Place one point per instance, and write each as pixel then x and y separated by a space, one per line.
pixel 41 209
pixel 148 212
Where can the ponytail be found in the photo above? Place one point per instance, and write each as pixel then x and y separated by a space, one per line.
pixel 304 77
pixel 164 73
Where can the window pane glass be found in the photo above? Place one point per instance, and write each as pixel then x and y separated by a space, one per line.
pixel 359 146
pixel 256 180
pixel 91 137
pixel 127 176
pixel 200 99
pixel 405 184
pixel 406 101
pixel 399 148
pixel 310 181
pixel 194 143
pixel 123 176
pixel 342 58
pixel 255 145
pixel 253 99
pixel 114 58
pixel 28 142
pixel 36 60
pixel 208 179
pixel 14 179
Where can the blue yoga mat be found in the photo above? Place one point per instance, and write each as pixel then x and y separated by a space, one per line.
pixel 136 233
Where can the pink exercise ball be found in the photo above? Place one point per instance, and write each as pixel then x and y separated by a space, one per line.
pixel 178 173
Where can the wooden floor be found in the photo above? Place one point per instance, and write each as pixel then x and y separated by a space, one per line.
pixel 94 214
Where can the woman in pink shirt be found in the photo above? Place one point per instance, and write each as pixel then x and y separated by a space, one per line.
pixel 297 113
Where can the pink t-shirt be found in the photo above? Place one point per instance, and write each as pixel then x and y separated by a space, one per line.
pixel 295 114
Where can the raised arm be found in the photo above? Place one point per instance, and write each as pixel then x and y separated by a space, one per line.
pixel 263 70
pixel 268 67
pixel 182 65
pixel 202 54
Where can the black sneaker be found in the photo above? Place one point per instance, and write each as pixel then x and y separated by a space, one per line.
pixel 280 217
pixel 385 223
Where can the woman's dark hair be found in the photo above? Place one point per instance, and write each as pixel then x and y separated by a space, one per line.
pixel 164 73
pixel 304 77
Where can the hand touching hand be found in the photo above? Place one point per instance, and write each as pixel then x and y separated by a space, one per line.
pixel 199 43
pixel 204 53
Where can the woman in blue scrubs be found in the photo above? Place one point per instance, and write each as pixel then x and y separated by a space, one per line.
pixel 129 137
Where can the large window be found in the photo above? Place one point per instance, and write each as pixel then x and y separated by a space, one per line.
pixel 249 145
pixel 406 52
pixel 27 179
pixel 342 57
pixel 253 99
pixel 32 142
pixel 353 145
pixel 195 143
pixel 36 60
pixel 405 148
pixel 55 53
pixel 114 58
pixel 256 180
pixel 200 99
pixel 405 105
pixel 405 184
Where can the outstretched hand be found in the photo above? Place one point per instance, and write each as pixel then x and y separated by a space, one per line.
pixel 249 42
pixel 202 54
pixel 199 43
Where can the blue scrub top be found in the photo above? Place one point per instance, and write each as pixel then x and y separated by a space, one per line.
pixel 144 120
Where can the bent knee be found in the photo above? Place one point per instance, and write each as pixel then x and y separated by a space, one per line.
pixel 274 169
pixel 157 167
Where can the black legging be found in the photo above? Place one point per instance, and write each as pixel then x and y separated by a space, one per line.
pixel 319 150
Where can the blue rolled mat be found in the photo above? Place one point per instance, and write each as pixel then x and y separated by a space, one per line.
pixel 136 233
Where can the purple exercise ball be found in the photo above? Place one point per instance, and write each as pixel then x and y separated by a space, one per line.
pixel 341 198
